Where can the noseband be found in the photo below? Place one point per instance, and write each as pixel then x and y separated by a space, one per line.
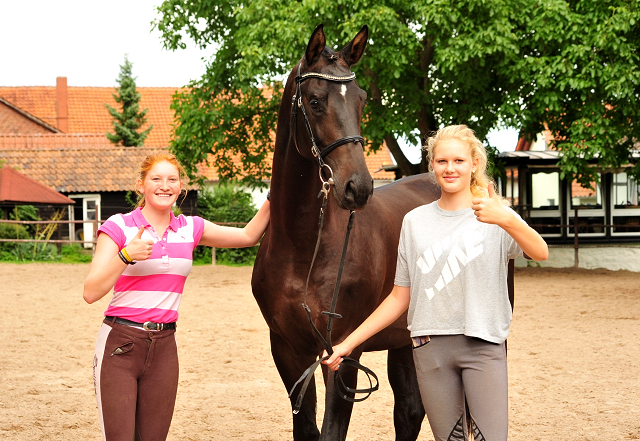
pixel 318 153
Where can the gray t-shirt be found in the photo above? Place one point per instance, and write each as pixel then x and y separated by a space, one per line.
pixel 456 267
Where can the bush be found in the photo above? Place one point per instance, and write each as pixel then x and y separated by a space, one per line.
pixel 226 204
pixel 33 251
pixel 25 213
pixel 75 253
pixel 11 231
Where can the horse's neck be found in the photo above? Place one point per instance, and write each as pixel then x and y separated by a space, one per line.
pixel 295 185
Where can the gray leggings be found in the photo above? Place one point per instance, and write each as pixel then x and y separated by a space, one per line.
pixel 452 368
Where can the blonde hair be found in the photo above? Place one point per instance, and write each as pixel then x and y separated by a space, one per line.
pixel 148 164
pixel 479 178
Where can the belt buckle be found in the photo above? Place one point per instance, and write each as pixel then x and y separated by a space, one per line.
pixel 150 326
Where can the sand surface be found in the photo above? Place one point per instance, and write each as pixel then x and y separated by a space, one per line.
pixel 574 359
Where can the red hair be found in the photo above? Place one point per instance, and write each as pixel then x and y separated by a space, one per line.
pixel 148 164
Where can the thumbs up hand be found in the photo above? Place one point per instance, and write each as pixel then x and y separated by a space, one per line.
pixel 490 209
pixel 138 248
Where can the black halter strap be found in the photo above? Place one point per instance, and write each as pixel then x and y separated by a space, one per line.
pixel 296 103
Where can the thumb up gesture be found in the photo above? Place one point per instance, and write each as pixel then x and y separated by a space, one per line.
pixel 490 209
pixel 138 248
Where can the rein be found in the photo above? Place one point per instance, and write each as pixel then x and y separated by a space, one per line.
pixel 341 388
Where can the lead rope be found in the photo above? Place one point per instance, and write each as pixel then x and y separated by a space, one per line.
pixel 341 388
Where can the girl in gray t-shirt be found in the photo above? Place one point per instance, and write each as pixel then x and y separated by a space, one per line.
pixel 452 277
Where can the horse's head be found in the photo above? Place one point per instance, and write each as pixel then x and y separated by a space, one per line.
pixel 326 114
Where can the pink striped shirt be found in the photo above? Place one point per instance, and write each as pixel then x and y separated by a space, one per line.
pixel 151 289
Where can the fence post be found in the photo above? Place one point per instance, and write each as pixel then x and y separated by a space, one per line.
pixel 576 262
pixel 213 255
pixel 94 239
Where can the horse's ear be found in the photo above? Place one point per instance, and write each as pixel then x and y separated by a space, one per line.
pixel 352 52
pixel 316 45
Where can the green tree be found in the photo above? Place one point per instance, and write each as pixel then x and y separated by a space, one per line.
pixel 568 65
pixel 580 78
pixel 128 122
pixel 226 204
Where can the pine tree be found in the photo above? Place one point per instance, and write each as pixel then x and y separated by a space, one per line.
pixel 127 123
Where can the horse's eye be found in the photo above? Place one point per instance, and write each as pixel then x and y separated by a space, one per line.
pixel 315 104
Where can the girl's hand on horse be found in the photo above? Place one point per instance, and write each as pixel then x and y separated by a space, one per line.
pixel 138 248
pixel 490 210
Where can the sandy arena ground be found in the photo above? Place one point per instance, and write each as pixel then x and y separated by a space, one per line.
pixel 574 359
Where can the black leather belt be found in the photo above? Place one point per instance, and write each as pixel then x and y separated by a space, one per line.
pixel 147 326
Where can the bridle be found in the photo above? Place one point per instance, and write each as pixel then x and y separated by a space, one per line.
pixel 320 154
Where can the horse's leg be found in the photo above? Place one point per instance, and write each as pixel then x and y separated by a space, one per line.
pixel 408 411
pixel 337 411
pixel 291 364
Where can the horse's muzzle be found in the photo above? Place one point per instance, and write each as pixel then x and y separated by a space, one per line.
pixel 355 194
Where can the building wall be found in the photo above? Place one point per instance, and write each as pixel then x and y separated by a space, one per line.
pixel 611 258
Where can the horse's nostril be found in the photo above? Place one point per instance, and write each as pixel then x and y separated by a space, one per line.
pixel 356 195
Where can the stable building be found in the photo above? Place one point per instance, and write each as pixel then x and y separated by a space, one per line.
pixel 605 217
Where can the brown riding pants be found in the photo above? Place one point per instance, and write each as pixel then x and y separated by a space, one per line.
pixel 135 375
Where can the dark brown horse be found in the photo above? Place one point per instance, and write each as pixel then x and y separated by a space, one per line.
pixel 331 105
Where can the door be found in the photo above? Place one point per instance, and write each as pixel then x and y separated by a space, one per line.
pixel 90 212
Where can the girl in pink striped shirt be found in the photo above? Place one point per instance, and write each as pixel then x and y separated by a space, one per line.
pixel 146 256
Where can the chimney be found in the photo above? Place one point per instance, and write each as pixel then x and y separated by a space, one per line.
pixel 62 108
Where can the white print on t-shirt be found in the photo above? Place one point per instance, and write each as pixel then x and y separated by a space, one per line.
pixel 472 242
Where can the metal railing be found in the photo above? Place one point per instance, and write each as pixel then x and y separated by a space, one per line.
pixel 576 232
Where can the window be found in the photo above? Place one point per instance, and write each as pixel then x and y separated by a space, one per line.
pixel 591 216
pixel 625 191
pixel 626 207
pixel 545 191
pixel 586 197
pixel 545 203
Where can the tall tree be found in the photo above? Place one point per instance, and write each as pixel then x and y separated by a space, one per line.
pixel 127 122
pixel 569 65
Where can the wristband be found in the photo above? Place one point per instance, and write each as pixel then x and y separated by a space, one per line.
pixel 126 255
pixel 126 260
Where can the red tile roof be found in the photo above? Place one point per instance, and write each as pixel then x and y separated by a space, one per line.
pixel 74 163
pixel 79 163
pixel 578 190
pixel 15 120
pixel 16 187
pixel 87 111
pixel 89 120
pixel 374 161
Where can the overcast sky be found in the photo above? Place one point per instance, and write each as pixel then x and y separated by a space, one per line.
pixel 86 41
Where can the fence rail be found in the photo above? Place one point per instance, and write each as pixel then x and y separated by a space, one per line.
pixel 575 225
pixel 67 222
pixel 95 223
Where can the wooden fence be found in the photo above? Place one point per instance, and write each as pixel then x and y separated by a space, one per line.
pixel 72 239
pixel 576 235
